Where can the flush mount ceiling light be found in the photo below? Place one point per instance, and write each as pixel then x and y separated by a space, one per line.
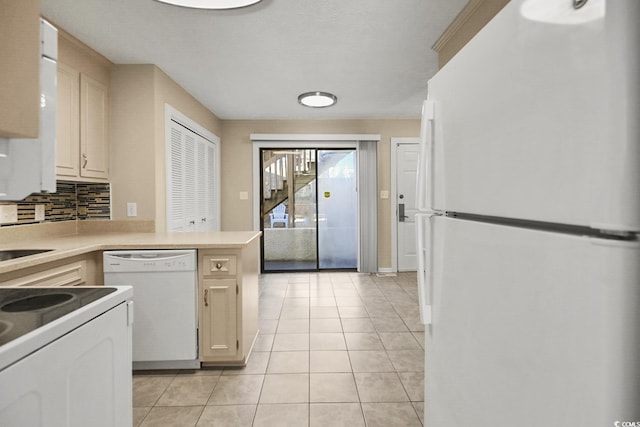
pixel 211 4
pixel 317 99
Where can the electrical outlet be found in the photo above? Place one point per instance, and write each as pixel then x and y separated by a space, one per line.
pixel 132 209
pixel 8 214
pixel 39 213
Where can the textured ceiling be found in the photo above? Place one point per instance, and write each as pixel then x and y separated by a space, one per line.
pixel 253 62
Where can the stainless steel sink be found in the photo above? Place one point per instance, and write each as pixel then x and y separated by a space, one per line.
pixel 17 253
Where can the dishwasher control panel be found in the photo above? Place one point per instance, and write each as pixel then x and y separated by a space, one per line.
pixel 147 261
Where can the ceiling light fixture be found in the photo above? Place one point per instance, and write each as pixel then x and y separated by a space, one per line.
pixel 211 4
pixel 317 99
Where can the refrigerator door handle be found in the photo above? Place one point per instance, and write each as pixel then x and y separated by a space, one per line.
pixel 425 161
pixel 424 270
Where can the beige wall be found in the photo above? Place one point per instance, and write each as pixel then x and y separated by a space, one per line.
pixel 132 172
pixel 138 97
pixel 82 58
pixel 237 168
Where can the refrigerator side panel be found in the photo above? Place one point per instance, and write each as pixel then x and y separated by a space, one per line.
pixel 531 328
pixel 536 117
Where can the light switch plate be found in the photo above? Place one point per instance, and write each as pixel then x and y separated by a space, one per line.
pixel 8 214
pixel 244 195
pixel 132 209
pixel 384 194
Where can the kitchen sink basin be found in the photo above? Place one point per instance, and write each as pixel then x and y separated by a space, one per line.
pixel 17 253
pixel 36 302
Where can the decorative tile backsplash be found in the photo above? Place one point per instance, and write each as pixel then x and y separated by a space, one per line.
pixel 71 201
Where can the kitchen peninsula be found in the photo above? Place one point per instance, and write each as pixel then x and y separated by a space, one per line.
pixel 228 321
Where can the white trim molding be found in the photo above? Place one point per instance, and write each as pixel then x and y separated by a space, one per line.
pixel 318 137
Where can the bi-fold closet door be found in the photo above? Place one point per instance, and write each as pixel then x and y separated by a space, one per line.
pixel 529 322
pixel 192 181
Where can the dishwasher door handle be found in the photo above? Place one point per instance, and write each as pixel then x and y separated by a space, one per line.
pixel 206 294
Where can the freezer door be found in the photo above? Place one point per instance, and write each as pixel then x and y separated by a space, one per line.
pixel 531 328
pixel 537 116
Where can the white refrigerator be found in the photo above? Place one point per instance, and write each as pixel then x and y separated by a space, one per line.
pixel 529 197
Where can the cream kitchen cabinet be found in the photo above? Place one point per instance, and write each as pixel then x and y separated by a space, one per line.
pixel 78 270
pixel 228 307
pixel 82 135
pixel 20 70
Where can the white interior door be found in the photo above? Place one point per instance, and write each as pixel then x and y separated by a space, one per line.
pixel 407 155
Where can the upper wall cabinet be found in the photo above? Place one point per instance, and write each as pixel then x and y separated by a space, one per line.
pixel 82 135
pixel 94 125
pixel 82 147
pixel 19 73
pixel 68 126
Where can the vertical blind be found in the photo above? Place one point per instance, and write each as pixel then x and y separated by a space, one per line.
pixel 368 206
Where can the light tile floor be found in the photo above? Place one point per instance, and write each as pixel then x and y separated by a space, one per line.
pixel 335 349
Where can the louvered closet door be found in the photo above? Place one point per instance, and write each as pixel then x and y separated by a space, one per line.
pixel 201 185
pixel 191 181
pixel 190 196
pixel 175 179
pixel 211 176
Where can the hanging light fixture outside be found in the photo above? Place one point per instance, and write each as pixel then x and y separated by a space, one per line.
pixel 211 4
pixel 317 99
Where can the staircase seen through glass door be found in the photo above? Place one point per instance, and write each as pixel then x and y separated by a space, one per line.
pixel 309 209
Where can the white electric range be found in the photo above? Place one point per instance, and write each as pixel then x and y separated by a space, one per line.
pixel 65 356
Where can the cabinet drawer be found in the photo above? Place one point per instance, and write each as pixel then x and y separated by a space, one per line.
pixel 71 274
pixel 218 265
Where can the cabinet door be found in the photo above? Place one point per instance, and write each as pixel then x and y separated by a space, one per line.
pixel 68 122
pixel 218 320
pixel 94 138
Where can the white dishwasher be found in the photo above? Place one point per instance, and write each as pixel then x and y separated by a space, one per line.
pixel 164 282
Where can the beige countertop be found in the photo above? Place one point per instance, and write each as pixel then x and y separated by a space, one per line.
pixel 72 245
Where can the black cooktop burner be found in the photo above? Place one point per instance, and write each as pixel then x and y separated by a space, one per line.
pixel 23 310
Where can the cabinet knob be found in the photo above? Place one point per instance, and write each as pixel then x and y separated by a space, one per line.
pixel 219 266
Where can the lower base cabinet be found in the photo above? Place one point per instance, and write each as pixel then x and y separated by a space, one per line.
pixel 228 303
pixel 219 316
